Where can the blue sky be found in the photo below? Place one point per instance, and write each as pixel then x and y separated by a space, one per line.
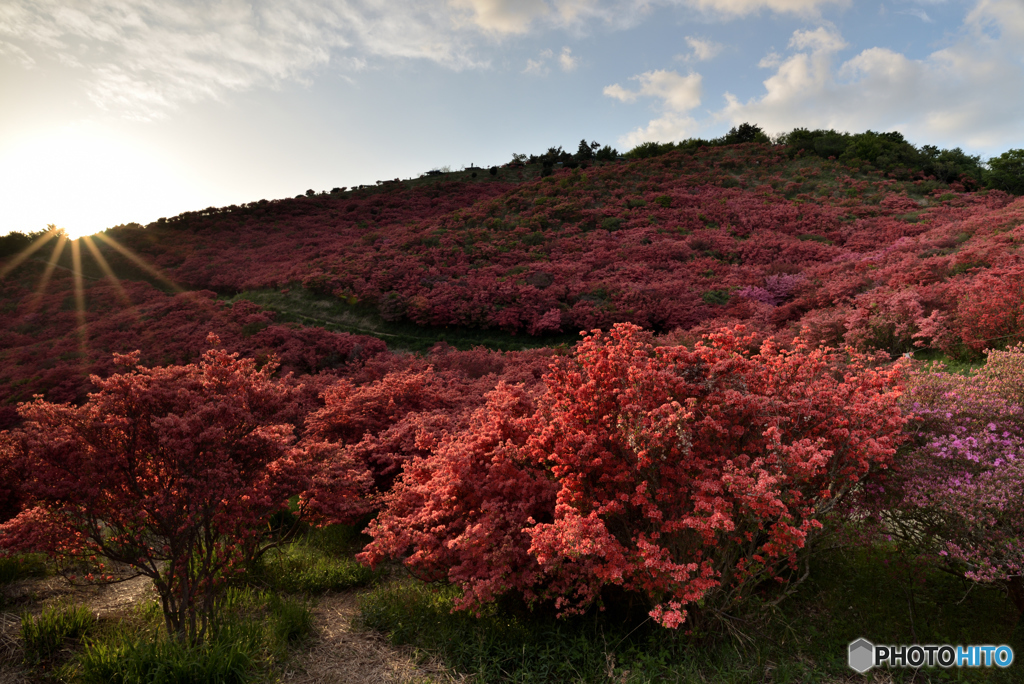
pixel 129 110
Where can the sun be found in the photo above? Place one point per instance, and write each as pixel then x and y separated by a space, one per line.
pixel 86 178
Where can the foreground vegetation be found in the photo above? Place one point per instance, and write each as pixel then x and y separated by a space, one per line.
pixel 267 626
pixel 692 491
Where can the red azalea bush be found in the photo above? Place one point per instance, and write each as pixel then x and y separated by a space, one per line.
pixel 172 471
pixel 681 475
pixel 991 309
pixel 377 425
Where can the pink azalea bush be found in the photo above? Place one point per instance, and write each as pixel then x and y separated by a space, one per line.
pixel 962 485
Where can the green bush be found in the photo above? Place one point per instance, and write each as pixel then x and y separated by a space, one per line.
pixel 1006 172
pixel 814 238
pixel 717 297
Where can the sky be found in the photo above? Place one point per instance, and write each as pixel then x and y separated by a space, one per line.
pixel 117 111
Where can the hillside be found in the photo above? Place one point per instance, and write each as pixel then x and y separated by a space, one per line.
pixel 783 241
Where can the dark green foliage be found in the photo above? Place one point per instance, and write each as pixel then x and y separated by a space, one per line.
pixel 649 149
pixel 15 242
pixel 745 133
pixel 1006 172
pixel 952 165
pixel 585 150
pixel 21 566
pixel 717 297
pixel 831 144
pixel 606 153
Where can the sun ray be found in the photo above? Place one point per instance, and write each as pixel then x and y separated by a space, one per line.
pixel 82 330
pixel 140 262
pixel 105 267
pixel 58 249
pixel 28 251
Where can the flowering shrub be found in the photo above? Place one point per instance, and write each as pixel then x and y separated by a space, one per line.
pixel 681 475
pixel 961 484
pixel 172 471
pixel 991 310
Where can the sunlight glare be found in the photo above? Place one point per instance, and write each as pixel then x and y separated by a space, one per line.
pixel 86 178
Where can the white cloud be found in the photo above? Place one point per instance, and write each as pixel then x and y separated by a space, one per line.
pixel 1006 16
pixel 771 60
pixel 739 8
pixel 919 13
pixel 567 61
pixel 968 94
pixel 620 93
pixel 501 16
pixel 820 39
pixel 145 57
pixel 16 53
pixel 701 49
pixel 678 95
pixel 538 66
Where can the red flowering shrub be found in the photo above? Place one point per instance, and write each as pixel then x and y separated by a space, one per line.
pixel 991 309
pixel 681 475
pixel 172 471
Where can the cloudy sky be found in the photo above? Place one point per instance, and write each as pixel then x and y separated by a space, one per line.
pixel 129 110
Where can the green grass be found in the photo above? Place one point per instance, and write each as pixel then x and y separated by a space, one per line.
pixel 332 313
pixel 933 358
pixel 44 636
pixel 860 593
pixel 21 566
pixel 319 561
pixel 254 634
pixel 227 660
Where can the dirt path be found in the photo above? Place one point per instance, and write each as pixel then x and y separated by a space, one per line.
pixel 338 654
pixel 335 653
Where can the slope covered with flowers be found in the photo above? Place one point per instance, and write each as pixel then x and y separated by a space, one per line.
pixel 687 239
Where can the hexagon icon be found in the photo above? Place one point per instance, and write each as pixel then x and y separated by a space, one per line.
pixel 862 655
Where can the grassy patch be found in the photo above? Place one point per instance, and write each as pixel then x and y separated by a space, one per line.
pixel 255 631
pixel 317 562
pixel 21 566
pixel 253 635
pixel 873 594
pixel 44 636
pixel 324 311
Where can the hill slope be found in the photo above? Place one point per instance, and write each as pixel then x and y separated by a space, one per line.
pixel 781 241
